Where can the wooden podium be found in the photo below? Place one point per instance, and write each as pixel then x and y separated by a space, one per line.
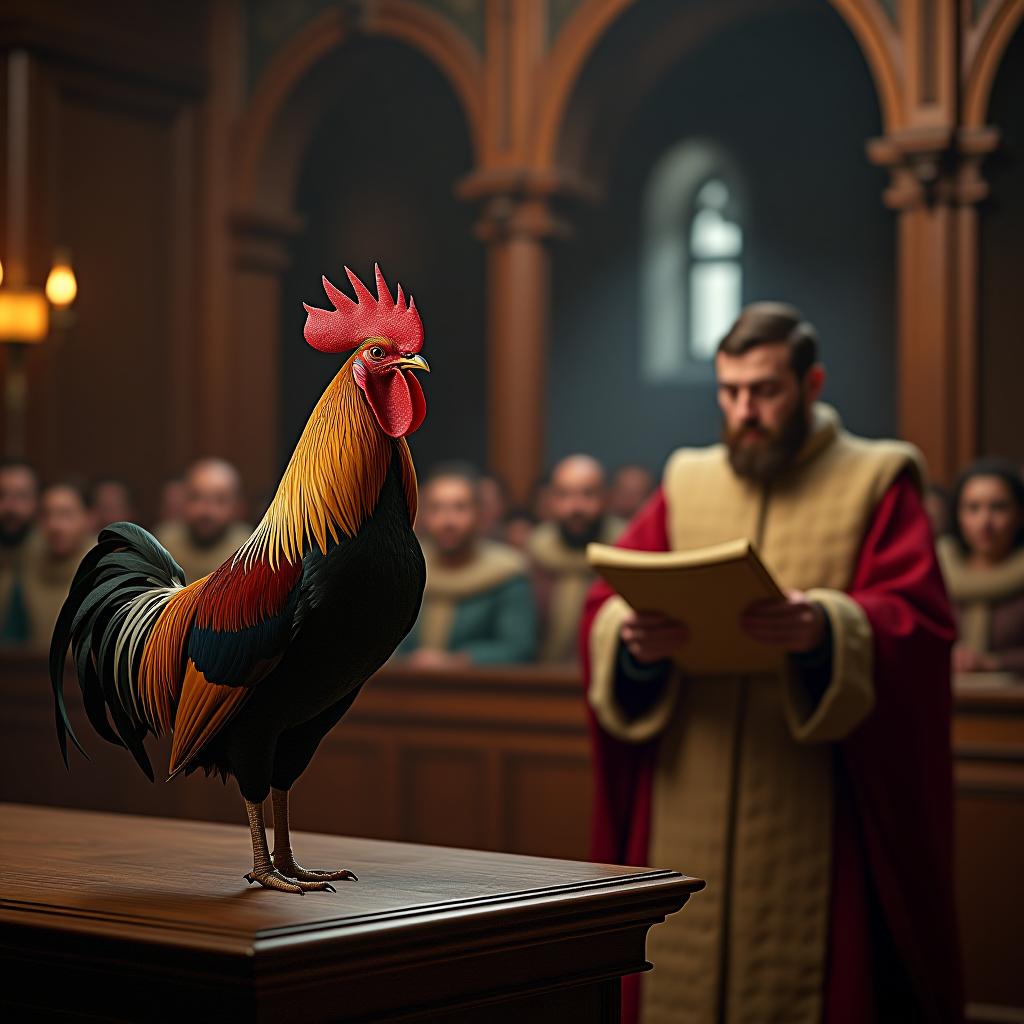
pixel 114 917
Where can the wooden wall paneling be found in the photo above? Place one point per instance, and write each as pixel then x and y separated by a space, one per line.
pixel 481 759
pixel 443 794
pixel 988 744
pixel 126 214
pixel 350 787
pixel 547 802
pixel 112 174
pixel 261 253
pixel 220 110
pixel 39 215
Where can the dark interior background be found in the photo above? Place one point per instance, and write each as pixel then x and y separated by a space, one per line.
pixel 377 184
pixel 1001 294
pixel 816 235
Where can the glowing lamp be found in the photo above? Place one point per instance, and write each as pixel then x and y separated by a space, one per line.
pixel 24 314
pixel 61 286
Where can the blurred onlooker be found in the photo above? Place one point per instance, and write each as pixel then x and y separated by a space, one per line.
pixel 477 607
pixel 172 502
pixel 936 505
pixel 518 526
pixel 66 534
pixel 19 500
pixel 579 511
pixel 492 507
pixel 211 527
pixel 631 486
pixel 111 501
pixel 983 563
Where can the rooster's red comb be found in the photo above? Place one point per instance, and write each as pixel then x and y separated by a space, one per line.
pixel 350 323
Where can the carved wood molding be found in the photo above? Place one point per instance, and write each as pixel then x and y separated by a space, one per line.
pixel 267 163
pixel 934 165
pixel 985 42
pixel 583 32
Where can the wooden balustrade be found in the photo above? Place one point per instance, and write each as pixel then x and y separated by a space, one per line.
pixel 498 759
pixel 494 759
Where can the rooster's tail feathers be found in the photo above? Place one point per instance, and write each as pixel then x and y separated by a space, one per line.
pixel 115 601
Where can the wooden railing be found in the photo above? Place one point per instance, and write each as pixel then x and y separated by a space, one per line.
pixel 487 758
pixel 499 759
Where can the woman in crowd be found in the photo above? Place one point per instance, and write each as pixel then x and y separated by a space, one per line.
pixel 983 562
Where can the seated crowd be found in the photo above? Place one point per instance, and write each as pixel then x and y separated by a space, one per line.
pixel 505 584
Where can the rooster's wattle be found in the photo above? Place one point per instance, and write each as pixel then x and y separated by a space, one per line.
pixel 251 666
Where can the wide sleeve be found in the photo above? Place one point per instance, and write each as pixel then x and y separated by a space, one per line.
pixel 631 702
pixel 826 710
pixel 897 586
pixel 899 759
pixel 515 627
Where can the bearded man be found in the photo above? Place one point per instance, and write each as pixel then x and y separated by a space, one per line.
pixel 211 527
pixel 578 496
pixel 816 802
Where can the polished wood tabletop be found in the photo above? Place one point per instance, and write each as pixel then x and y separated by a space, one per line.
pixel 451 925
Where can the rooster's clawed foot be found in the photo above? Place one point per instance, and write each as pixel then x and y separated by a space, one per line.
pixel 271 879
pixel 287 866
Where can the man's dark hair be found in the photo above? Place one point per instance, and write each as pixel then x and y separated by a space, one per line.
pixel 1003 470
pixel 16 462
pixel 458 470
pixel 73 484
pixel 768 323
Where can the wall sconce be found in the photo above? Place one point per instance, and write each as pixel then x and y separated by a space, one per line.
pixel 26 314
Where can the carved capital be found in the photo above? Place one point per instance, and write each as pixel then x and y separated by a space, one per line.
pixel 518 203
pixel 934 166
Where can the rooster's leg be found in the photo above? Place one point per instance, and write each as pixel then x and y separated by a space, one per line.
pixel 262 868
pixel 284 859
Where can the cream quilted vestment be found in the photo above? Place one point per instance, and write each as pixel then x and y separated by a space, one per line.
pixel 743 783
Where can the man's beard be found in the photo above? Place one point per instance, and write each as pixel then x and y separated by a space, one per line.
pixel 578 536
pixel 13 532
pixel 766 460
pixel 206 539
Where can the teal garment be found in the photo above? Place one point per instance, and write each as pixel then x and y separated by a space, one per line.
pixel 14 630
pixel 495 627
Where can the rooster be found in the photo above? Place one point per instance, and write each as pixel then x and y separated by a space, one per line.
pixel 251 666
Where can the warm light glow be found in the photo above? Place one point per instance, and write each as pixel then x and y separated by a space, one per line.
pixel 1 272
pixel 24 314
pixel 61 286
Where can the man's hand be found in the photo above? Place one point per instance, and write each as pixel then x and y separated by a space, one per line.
pixel 794 624
pixel 965 659
pixel 651 636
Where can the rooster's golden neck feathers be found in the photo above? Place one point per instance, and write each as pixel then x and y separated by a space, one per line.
pixel 333 480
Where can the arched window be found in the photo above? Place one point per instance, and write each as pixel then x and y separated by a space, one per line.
pixel 692 261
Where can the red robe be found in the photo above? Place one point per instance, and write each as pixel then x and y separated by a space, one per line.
pixel 893 952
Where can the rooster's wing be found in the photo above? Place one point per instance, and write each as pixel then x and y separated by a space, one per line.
pixel 241 629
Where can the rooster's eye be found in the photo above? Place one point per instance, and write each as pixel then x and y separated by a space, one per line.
pixel 376 352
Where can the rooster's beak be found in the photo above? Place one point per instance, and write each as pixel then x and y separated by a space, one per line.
pixel 416 362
